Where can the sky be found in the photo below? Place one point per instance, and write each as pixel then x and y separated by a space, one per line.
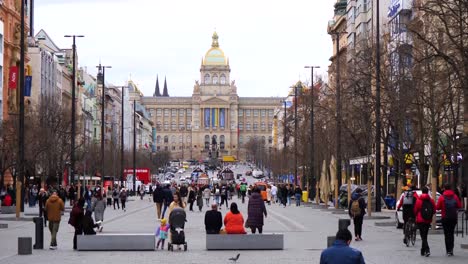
pixel 268 42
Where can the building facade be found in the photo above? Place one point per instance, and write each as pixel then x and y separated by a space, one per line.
pixel 214 120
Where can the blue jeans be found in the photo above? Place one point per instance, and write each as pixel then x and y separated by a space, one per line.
pixel 298 199
pixel 289 200
pixel 164 210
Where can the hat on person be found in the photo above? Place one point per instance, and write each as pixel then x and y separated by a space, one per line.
pixel 163 221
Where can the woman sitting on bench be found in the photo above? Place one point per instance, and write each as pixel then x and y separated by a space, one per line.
pixel 234 221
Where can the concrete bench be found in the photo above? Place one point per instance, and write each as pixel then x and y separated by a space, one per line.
pixel 245 242
pixel 116 242
pixel 8 209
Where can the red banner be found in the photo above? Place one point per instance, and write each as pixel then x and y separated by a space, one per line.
pixel 12 84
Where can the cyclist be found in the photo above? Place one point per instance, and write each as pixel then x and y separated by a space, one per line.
pixel 407 201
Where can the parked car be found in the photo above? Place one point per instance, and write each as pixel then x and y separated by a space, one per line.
pixel 399 213
pixel 248 173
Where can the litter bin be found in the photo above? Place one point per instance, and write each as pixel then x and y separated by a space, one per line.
pixel 305 196
pixel 390 202
pixel 39 226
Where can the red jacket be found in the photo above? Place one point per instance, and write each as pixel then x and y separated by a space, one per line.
pixel 418 208
pixel 7 201
pixel 441 202
pixel 234 223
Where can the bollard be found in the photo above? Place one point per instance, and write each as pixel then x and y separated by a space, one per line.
pixel 24 245
pixel 343 223
pixel 39 227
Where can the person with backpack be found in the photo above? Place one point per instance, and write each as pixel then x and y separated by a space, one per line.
pixel 123 198
pixel 76 219
pixel 243 190
pixel 115 197
pixel 449 203
pixel 357 210
pixel 424 210
pixel 407 201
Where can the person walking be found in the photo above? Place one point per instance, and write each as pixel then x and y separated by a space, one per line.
pixel 268 194
pixel 76 219
pixel 115 197
pixel 340 252
pixel 158 199
pixel 424 210
pixel 243 191
pixel 42 199
pixel 184 192
pixel 109 196
pixel 224 196
pixel 161 233
pixel 255 211
pixel 357 210
pixel 206 195
pixel 199 199
pixel 72 191
pixel 54 208
pixel 168 198
pixel 449 203
pixel 217 194
pixel 297 195
pixel 123 198
pixel 274 194
pixel 191 197
pixel 99 206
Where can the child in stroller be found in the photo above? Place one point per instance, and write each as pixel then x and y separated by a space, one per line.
pixel 177 220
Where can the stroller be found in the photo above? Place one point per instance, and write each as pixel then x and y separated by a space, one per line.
pixel 177 219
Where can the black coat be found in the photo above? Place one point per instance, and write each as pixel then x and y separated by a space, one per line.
pixel 255 211
pixel 158 194
pixel 183 191
pixel 89 225
pixel 167 194
pixel 213 222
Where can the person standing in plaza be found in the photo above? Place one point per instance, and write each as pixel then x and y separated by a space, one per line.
pixel 109 196
pixel 76 219
pixel 54 208
pixel 72 194
pixel 191 197
pixel 115 197
pixel 449 203
pixel 158 199
pixel 274 194
pixel 224 196
pixel 199 199
pixel 268 192
pixel 340 252
pixel 357 210
pixel 217 194
pixel 255 211
pixel 424 210
pixel 42 199
pixel 99 206
pixel 123 198
pixel 207 194
pixel 297 195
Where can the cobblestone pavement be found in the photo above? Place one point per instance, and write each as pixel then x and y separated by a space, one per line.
pixel 305 229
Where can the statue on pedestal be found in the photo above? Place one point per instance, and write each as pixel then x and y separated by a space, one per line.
pixel 233 87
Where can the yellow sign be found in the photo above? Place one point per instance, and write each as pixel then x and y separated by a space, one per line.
pixel 229 159
pixel 409 158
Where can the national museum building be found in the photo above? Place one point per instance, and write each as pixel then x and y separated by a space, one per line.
pixel 214 120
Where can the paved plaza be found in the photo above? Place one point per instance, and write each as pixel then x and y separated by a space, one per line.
pixel 305 229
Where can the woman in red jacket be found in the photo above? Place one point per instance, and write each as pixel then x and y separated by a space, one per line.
pixel 424 210
pixel 233 221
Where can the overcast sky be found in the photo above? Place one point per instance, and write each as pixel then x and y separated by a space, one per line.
pixel 268 42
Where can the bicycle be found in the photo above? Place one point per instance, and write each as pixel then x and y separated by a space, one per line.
pixel 410 232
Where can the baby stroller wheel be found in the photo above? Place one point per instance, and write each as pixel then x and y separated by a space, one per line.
pixel 185 247
pixel 169 246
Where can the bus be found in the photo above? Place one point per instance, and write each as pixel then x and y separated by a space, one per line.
pixel 185 164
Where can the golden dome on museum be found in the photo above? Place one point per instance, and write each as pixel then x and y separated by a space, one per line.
pixel 215 55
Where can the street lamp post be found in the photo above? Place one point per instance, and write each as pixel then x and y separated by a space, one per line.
pixel 20 183
pixel 377 114
pixel 122 140
pixel 295 132
pixel 311 120
pixel 73 113
pixel 134 147
pixel 284 134
pixel 102 71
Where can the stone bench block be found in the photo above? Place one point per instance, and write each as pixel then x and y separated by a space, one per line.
pixel 3 226
pixel 245 242
pixel 24 245
pixel 8 209
pixel 116 242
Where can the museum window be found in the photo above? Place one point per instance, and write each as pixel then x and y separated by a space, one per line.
pixel 241 112
pixel 166 125
pixel 241 140
pixel 247 126
pixel 173 147
pixel 207 142
pixel 263 140
pixel 158 112
pixel 189 139
pixel 166 148
pixel 255 112
pixel 255 126
pixel 158 148
pixel 263 126
pixel 241 126
pixel 270 113
pixel 270 126
pixel 166 139
pixel 181 112
pixel 189 125
pixel 215 79
pixel 181 125
pixel 173 125
pixel 181 139
pixel 174 112
pixel 207 78
pixel 221 142
pixel 158 126
pixel 222 80
pixel 173 139
pixel 158 140
pixel 247 112
pixel 166 112
pixel 263 112
pixel 189 112
pixel 270 139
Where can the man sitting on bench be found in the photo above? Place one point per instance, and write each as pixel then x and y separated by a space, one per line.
pixel 213 220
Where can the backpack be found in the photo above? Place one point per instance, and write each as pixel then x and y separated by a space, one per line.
pixel 450 208
pixel 355 208
pixel 427 210
pixel 243 188
pixel 408 200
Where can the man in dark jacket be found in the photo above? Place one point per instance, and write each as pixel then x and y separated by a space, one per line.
pixel 449 203
pixel 255 211
pixel 183 193
pixel 167 194
pixel 76 219
pixel 357 210
pixel 340 252
pixel 213 220
pixel 158 198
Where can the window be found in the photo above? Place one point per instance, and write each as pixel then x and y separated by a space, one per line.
pixel 173 147
pixel 158 126
pixel 166 140
pixel 152 113
pixel 263 111
pixel 189 112
pixel 222 80
pixel 221 140
pixel 247 112
pixel 189 125
pixel 270 113
pixel 270 139
pixel 215 79
pixel 241 112
pixel 181 112
pixel 173 139
pixel 207 142
pixel 158 140
pixel 270 126
pixel 174 112
pixel 263 140
pixel 255 126
pixel 241 140
pixel 255 112
pixel 166 125
pixel 207 78
pixel 166 112
pixel 166 148
pixel 181 125
pixel 158 112
pixel 189 139
pixel 173 125
pixel 241 126
pixel 247 126
pixel 263 126
pixel 158 148
pixel 181 139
